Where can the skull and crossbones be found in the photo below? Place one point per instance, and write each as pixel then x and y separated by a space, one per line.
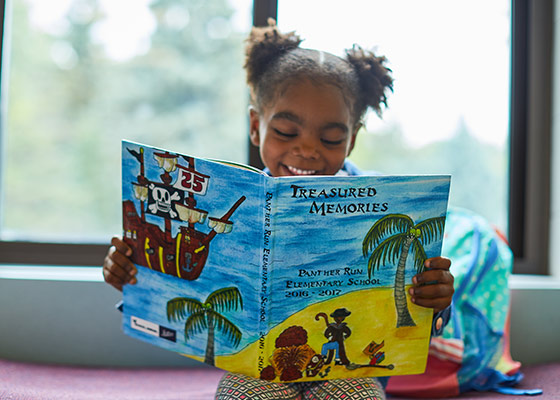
pixel 163 200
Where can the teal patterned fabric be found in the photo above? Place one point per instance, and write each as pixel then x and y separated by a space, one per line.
pixel 481 265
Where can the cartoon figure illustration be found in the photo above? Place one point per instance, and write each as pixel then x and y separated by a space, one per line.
pixel 373 351
pixel 208 316
pixel 375 355
pixel 393 237
pixel 314 366
pixel 184 255
pixel 292 356
pixel 336 332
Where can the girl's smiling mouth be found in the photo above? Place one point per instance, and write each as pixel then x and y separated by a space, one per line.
pixel 297 171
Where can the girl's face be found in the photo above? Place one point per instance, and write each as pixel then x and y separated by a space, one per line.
pixel 308 130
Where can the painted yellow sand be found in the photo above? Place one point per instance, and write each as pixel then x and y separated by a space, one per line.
pixel 373 318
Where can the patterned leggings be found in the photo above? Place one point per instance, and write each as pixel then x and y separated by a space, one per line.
pixel 237 386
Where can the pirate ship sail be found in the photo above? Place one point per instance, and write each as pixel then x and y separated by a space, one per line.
pixel 183 255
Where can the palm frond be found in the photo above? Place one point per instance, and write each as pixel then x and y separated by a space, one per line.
pixel 225 326
pixel 196 323
pixel 179 307
pixel 383 227
pixel 387 251
pixel 419 255
pixel 225 299
pixel 431 229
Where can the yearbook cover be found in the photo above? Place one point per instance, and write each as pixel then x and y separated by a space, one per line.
pixel 283 279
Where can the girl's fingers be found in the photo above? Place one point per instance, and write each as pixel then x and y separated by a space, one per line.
pixel 433 288
pixel 432 291
pixel 121 261
pixel 436 304
pixel 433 276
pixel 438 263
pixel 117 267
pixel 112 279
pixel 121 246
pixel 116 275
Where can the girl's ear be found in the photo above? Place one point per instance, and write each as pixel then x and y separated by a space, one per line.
pixel 254 125
pixel 353 139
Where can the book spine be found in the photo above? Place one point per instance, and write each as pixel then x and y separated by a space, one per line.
pixel 266 268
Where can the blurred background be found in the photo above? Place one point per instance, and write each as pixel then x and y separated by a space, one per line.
pixel 80 75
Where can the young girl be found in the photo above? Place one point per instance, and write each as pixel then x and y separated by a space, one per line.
pixel 307 107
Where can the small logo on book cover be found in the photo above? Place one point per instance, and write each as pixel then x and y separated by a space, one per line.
pixel 144 326
pixel 153 329
pixel 166 333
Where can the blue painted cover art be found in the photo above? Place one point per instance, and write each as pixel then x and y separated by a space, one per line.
pixel 227 256
pixel 328 220
pixel 193 227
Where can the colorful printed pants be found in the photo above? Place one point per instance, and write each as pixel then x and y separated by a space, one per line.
pixel 237 386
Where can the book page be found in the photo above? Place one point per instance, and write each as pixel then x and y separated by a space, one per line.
pixel 196 231
pixel 336 293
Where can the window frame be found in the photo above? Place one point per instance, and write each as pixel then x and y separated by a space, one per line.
pixel 262 11
pixel 530 144
pixel 530 135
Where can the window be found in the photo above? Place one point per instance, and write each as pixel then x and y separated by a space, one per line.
pixel 98 71
pixel 449 110
pixel 80 75
pixel 461 104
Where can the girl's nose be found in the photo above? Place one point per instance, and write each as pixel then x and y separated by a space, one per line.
pixel 306 148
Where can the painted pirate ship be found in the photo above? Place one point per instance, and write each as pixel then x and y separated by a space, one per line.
pixel 173 199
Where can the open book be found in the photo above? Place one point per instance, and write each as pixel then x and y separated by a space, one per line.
pixel 284 279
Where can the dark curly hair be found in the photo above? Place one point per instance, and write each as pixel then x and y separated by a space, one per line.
pixel 274 60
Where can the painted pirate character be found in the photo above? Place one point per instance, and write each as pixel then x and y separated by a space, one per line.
pixel 336 333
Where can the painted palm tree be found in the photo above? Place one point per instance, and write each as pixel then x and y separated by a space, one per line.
pixel 208 316
pixel 393 237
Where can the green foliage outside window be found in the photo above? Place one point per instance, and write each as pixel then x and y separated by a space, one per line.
pixel 70 104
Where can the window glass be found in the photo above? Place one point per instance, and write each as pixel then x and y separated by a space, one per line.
pixel 449 110
pixel 80 75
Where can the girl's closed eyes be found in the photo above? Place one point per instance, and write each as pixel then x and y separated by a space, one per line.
pixel 328 141
pixel 334 140
pixel 284 134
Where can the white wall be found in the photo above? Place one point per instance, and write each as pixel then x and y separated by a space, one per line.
pixel 72 322
pixel 535 319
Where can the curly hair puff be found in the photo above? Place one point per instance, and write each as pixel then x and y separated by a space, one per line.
pixel 275 60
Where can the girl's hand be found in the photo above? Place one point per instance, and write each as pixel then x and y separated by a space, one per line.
pixel 118 270
pixel 433 288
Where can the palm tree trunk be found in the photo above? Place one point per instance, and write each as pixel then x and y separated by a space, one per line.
pixel 209 357
pixel 403 315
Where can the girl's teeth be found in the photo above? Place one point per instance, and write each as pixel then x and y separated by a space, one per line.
pixel 297 171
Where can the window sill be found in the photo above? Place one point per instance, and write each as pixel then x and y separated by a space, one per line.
pixel 522 282
pixel 94 274
pixel 51 273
